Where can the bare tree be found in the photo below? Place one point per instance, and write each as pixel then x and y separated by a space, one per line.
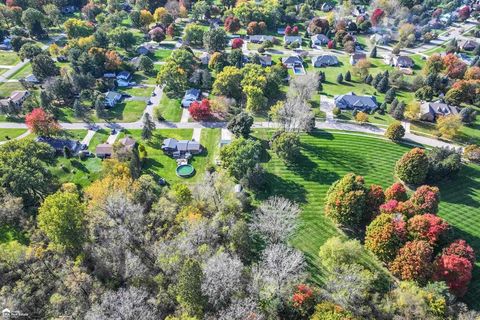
pixel 243 309
pixel 295 115
pixel 304 87
pixel 223 278
pixel 131 303
pixel 275 219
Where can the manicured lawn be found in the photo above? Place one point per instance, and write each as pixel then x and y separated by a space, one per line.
pixel 160 164
pixel 161 54
pixel 138 91
pixel 8 58
pixel 7 134
pixel 22 72
pixel 469 134
pixel 327 156
pixel 6 88
pixel 171 109
pixel 82 173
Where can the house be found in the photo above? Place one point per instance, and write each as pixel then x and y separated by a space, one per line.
pixel 399 61
pixel 351 101
pixel 430 111
pixel 469 45
pixel 265 60
pixel 259 38
pixel 281 31
pixel 123 78
pixel 381 39
pixel 128 143
pixel 6 44
pixel 59 144
pixel 112 98
pixel 327 6
pixel 190 96
pixel 319 40
pixel 109 75
pixel 135 61
pixel 324 61
pixel 288 40
pixel 31 79
pixel 292 61
pixel 181 147
pixel 104 150
pixel 145 49
pixel 16 98
pixel 355 57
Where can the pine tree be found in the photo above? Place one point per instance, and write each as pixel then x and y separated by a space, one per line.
pixel 382 86
pixel 376 80
pixel 348 76
pixel 340 78
pixel 322 76
pixel 368 79
pixel 148 127
pixel 390 95
pixel 373 53
pixel 320 86
pixel 398 112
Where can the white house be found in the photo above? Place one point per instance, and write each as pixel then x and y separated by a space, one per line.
pixel 112 98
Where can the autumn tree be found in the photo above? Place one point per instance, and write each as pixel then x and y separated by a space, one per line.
pixel 426 199
pixel 456 271
pixel 375 198
pixel 228 83
pixel 397 192
pixel 412 168
pixel 232 24
pixel 41 123
pixel 200 111
pixel 395 131
pixel 385 236
pixel 427 227
pixel 361 117
pixel 449 126
pixel 460 248
pixel 413 262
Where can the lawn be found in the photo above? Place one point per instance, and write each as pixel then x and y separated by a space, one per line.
pixel 99 137
pixel 7 134
pixel 126 111
pixel 7 88
pixel 138 91
pixel 82 173
pixel 327 156
pixel 170 108
pixel 469 134
pixel 160 164
pixel 22 72
pixel 8 58
pixel 161 54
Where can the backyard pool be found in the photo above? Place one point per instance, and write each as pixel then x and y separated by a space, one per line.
pixel 298 70
pixel 185 170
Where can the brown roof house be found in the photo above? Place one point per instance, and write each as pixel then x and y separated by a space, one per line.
pixel 430 111
pixel 15 100
pixel 104 150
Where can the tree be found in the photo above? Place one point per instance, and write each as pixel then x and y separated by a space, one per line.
pixel 336 252
pixel 286 145
pixel 240 156
pixel 468 115
pixel 161 15
pixel 346 201
pixel 449 126
pixel 44 67
pixel 413 262
pixel 79 110
pixel 222 278
pixel 189 288
pixel 348 76
pixel 61 217
pixel 390 95
pixel 146 18
pixel 232 24
pixel 123 38
pixel 200 111
pixel 412 168
pixel 228 83
pixel 396 192
pixel 41 123
pixel 340 78
pixel 193 35
pixel 29 51
pixel 275 220
pixel 148 127
pixel 472 153
pixel 100 106
pixel 373 53
pixel 427 227
pixel 53 13
pixel 460 248
pixel 174 78
pixel 241 124
pixel 215 40
pixel 395 131
pixel 426 199
pixel 330 311
pixel 237 43
pixel 375 198
pixel 361 68
pixel 361 117
pixel 34 20
pixel 294 115
pixel 157 34
pixel 385 236
pixel 76 28
pixel 443 163
pixel 146 64
pixel 455 271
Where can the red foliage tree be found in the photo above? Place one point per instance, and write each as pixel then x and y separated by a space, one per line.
pixel 295 30
pixel 464 13
pixel 237 43
pixel 330 44
pixel 303 299
pixel 398 207
pixel 157 34
pixel 384 236
pixel 170 30
pixel 427 227
pixel 426 199
pixel 41 123
pixel 256 27
pixel 375 198
pixel 456 271
pixel 377 14
pixel 200 111
pixel 232 24
pixel 460 248
pixel 288 30
pixel 455 68
pixel 413 262
pixel 397 192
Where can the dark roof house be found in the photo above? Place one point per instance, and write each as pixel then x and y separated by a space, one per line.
pixel 355 57
pixel 327 6
pixel 351 101
pixel 319 40
pixel 430 111
pixel 469 45
pixel 265 60
pixel 104 150
pixel 181 146
pixel 291 61
pixel 324 61
pixel 60 144
pixel 190 96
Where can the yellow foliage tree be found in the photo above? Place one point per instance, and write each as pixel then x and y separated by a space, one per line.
pixel 361 117
pixel 449 126
pixel 413 110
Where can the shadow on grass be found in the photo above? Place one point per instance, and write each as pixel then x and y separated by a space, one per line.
pixel 469 187
pixel 282 187
pixel 78 165
pixel 308 170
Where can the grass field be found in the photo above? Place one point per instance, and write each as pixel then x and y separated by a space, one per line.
pixel 7 134
pixel 22 72
pixel 327 156
pixel 170 109
pixel 6 88
pixel 8 58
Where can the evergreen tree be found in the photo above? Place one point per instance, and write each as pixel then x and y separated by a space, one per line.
pixel 340 78
pixel 100 106
pixel 148 127
pixel 320 86
pixel 368 79
pixel 189 288
pixel 398 111
pixel 376 80
pixel 348 76
pixel 78 109
pixel 322 76
pixel 373 53
pixel 390 95
pixel 382 86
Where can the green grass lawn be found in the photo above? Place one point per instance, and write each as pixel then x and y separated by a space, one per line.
pixel 127 111
pixel 161 54
pixel 22 72
pixel 327 156
pixel 7 134
pixel 160 164
pixel 469 134
pixel 138 91
pixel 7 88
pixel 80 172
pixel 8 58
pixel 99 137
pixel 170 108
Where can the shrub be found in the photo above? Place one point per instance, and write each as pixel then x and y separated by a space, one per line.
pixel 237 43
pixel 336 112
pixel 361 117
pixel 456 271
pixel 286 145
pixel 346 201
pixel 337 251
pixel 395 131
pixel 427 227
pixel 426 199
pixel 385 236
pixel 442 163
pixel 375 198
pixel 472 153
pixel 460 248
pixel 397 192
pixel 405 208
pixel 412 168
pixel 413 262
